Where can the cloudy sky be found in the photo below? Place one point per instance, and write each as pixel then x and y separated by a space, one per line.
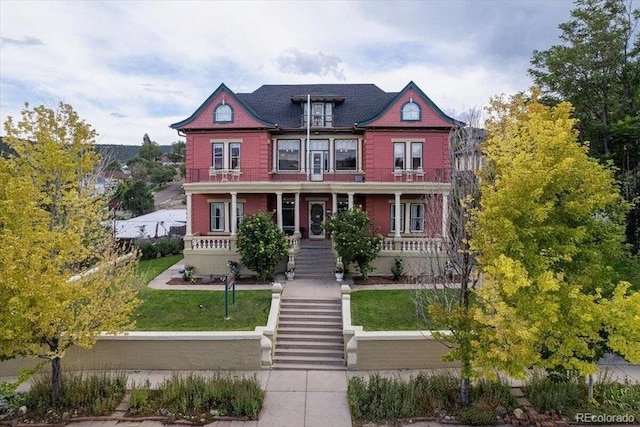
pixel 135 67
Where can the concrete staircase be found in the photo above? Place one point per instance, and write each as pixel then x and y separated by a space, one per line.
pixel 315 260
pixel 309 335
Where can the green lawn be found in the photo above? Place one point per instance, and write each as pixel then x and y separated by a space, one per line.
pixel 150 268
pixel 391 310
pixel 387 310
pixel 195 310
pixel 201 310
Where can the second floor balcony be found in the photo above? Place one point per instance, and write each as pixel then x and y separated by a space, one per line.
pixel 382 175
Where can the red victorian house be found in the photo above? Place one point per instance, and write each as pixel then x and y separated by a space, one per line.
pixel 308 151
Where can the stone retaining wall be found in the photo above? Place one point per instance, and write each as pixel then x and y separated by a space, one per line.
pixel 161 350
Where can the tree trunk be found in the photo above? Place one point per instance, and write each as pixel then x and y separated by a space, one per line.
pixel 465 394
pixel 56 381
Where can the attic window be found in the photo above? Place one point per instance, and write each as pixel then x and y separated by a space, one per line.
pixel 223 114
pixel 410 112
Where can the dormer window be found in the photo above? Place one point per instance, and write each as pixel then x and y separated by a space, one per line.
pixel 223 114
pixel 321 114
pixel 410 112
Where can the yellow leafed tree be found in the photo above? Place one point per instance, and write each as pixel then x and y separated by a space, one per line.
pixel 549 230
pixel 63 280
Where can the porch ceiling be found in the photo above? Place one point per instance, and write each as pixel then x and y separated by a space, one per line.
pixel 318 187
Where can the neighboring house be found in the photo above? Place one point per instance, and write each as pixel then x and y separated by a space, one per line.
pixel 107 181
pixel 161 223
pixel 308 151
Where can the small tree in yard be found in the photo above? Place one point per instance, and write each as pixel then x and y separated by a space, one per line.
pixel 355 239
pixel 62 280
pixel 262 245
pixel 443 295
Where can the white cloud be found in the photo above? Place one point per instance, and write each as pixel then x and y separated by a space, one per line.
pixel 131 68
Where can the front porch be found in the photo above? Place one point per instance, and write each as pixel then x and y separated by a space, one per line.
pixel 209 254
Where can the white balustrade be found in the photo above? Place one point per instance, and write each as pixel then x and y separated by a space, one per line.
pixel 204 242
pixel 413 245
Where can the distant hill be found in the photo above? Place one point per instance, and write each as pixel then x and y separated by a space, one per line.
pixel 122 153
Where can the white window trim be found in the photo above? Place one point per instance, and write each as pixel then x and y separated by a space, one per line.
pixel 405 216
pixel 301 149
pixel 407 152
pixel 226 153
pixel 227 213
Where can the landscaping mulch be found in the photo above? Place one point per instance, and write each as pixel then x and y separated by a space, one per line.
pixel 216 281
pixel 382 280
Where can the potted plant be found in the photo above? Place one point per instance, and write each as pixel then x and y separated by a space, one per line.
pixel 339 271
pixel 187 273
pixel 290 273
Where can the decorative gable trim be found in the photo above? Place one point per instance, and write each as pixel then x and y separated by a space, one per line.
pixel 422 95
pixel 210 99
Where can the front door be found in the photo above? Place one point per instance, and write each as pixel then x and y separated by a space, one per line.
pixel 316 218
pixel 317 166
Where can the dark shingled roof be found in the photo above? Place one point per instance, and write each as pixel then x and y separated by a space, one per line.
pixel 273 103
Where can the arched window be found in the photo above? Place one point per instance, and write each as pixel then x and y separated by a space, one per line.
pixel 223 114
pixel 410 111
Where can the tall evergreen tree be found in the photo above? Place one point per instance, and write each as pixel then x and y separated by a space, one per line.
pixel 596 68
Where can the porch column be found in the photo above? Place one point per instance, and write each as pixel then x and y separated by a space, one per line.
pixel 350 195
pixel 226 217
pixel 189 209
pixel 445 215
pixel 334 203
pixel 296 213
pixel 279 209
pixel 397 214
pixel 234 212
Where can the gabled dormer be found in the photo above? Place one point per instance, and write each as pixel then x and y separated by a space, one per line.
pixel 322 109
pixel 410 108
pixel 223 110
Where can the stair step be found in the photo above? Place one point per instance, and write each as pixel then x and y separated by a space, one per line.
pixel 305 338
pixel 309 318
pixel 327 312
pixel 301 352
pixel 297 344
pixel 311 360
pixel 305 367
pixel 302 330
pixel 334 326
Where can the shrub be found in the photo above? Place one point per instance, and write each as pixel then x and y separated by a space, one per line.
pixel 261 244
pixel 560 394
pixel 477 416
pixel 164 246
pixel 397 269
pixel 97 394
pixel 355 239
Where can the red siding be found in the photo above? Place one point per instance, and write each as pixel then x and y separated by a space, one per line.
pixel 428 115
pixel 241 119
pixel 378 154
